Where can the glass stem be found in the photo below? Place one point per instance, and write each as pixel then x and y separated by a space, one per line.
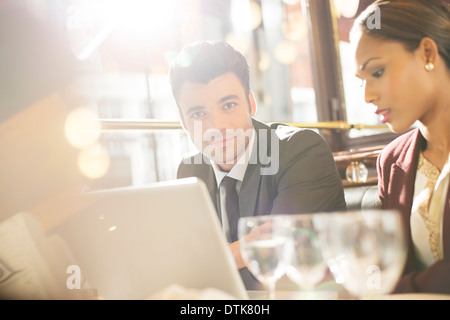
pixel 271 286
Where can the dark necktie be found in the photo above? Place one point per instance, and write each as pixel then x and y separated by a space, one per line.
pixel 232 206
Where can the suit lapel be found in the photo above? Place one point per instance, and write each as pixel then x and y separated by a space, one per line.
pixel 249 192
pixel 210 180
pixel 205 172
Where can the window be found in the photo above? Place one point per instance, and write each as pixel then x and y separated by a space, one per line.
pixel 338 100
pixel 125 49
pixel 356 110
pixel 126 46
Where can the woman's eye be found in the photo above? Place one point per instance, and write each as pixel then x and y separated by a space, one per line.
pixel 378 73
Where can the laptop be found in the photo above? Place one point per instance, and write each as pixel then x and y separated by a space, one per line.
pixel 131 243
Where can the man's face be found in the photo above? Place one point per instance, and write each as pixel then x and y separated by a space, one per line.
pixel 217 116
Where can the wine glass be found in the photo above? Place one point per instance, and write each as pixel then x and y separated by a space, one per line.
pixel 366 250
pixel 306 264
pixel 263 244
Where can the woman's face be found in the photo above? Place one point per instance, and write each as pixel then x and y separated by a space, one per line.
pixel 395 81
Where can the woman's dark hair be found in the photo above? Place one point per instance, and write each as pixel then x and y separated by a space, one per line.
pixel 203 61
pixel 408 22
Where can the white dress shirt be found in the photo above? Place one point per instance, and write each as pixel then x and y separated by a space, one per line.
pixel 237 172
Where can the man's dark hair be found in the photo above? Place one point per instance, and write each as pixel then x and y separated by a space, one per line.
pixel 203 61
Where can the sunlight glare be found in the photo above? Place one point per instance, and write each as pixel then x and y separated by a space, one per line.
pixel 94 162
pixel 138 17
pixel 82 127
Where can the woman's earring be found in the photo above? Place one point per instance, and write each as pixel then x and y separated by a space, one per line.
pixel 429 67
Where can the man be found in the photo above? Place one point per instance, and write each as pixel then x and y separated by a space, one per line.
pixel 278 169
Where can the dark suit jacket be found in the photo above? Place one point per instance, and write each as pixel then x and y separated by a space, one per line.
pixel 397 168
pixel 307 179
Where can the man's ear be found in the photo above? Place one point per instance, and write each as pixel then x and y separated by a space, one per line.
pixel 252 101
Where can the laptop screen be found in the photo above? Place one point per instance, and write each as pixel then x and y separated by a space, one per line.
pixel 131 243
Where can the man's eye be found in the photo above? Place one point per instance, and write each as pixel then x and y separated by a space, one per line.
pixel 197 114
pixel 229 105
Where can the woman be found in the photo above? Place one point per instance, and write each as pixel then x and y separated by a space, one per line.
pixel 404 63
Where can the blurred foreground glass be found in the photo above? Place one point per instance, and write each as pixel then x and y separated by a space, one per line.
pixel 306 264
pixel 366 250
pixel 357 172
pixel 264 242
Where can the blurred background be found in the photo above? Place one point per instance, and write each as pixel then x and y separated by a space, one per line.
pixel 298 51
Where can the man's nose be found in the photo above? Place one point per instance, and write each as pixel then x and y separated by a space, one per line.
pixel 217 121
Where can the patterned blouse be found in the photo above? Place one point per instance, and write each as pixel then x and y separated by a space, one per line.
pixel 430 192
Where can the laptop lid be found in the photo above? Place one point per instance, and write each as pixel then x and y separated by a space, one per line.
pixel 131 243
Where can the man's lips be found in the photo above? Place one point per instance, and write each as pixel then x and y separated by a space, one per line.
pixel 221 142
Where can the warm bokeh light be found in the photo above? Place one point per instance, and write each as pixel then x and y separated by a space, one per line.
pixel 82 128
pixel 286 52
pixel 240 43
pixel 291 2
pixel 347 8
pixel 264 61
pixel 94 162
pixel 256 14
pixel 240 16
pixel 295 28
pixel 267 99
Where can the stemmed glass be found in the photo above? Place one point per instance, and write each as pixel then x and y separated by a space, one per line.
pixel 264 241
pixel 366 250
pixel 306 265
